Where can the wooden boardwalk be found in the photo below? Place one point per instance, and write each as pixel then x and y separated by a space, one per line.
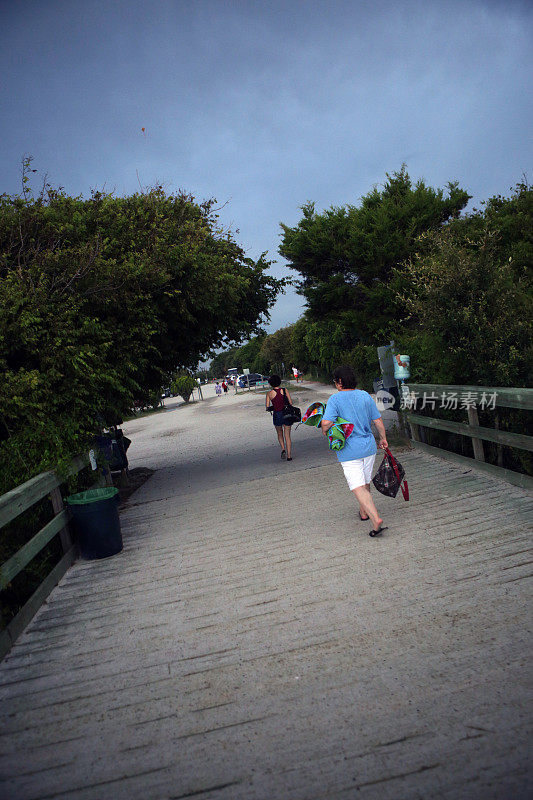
pixel 252 642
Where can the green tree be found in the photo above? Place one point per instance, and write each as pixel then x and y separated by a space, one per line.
pixel 223 361
pixel 511 218
pixel 468 295
pixel 346 258
pixel 300 346
pixel 183 386
pixel 248 354
pixel 277 350
pixel 102 299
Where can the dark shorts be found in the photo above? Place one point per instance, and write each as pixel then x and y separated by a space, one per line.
pixel 277 419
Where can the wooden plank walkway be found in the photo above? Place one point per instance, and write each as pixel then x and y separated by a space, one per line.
pixel 253 642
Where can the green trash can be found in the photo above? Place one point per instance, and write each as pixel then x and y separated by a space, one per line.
pixel 96 521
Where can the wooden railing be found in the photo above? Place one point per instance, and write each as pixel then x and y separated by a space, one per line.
pixel 470 398
pixel 14 503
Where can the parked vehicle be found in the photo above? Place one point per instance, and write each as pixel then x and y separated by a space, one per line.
pixel 250 380
pixel 231 377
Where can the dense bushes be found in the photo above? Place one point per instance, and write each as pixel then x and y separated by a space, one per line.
pixel 102 300
pixel 346 258
pixel 452 291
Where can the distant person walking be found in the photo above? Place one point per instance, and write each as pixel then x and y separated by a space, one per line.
pixel 358 454
pixel 218 389
pixel 275 400
pixel 225 387
pixel 296 372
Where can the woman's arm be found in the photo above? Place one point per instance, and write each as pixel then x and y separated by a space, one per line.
pixel 382 434
pixel 267 399
pixel 288 396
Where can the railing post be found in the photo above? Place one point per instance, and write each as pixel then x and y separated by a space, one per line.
pixel 479 453
pixel 499 448
pixel 413 426
pixel 57 506
pixel 415 431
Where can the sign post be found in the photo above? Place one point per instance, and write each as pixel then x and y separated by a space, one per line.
pixel 402 371
pixel 394 370
pixel 387 385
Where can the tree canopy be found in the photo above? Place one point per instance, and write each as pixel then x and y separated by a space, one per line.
pixel 102 300
pixel 346 257
pixel 263 353
pixel 468 297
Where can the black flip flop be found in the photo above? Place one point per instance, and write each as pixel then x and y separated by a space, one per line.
pixel 363 519
pixel 283 454
pixel 376 533
pixel 289 459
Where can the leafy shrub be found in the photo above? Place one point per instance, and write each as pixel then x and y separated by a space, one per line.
pixel 100 300
pixel 183 386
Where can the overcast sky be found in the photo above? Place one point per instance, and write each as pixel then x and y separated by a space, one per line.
pixel 266 105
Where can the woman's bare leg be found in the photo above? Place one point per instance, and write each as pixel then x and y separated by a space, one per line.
pixel 281 440
pixel 287 431
pixel 364 498
pixel 362 513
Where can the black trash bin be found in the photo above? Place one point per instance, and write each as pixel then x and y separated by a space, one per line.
pixel 96 521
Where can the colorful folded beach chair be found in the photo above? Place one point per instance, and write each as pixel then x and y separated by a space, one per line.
pixel 337 434
pixel 313 415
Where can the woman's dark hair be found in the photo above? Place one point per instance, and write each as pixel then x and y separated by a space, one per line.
pixel 274 381
pixel 346 376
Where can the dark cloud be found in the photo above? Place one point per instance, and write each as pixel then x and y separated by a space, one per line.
pixel 266 105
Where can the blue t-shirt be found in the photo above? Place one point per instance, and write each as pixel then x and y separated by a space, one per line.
pixel 357 407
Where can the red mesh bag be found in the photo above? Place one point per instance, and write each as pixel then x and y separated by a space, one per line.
pixel 388 479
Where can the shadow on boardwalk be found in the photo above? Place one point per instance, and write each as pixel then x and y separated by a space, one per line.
pixel 252 641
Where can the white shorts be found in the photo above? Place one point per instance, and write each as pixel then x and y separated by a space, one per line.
pixel 359 471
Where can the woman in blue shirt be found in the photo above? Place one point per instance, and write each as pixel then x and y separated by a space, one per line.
pixel 358 454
